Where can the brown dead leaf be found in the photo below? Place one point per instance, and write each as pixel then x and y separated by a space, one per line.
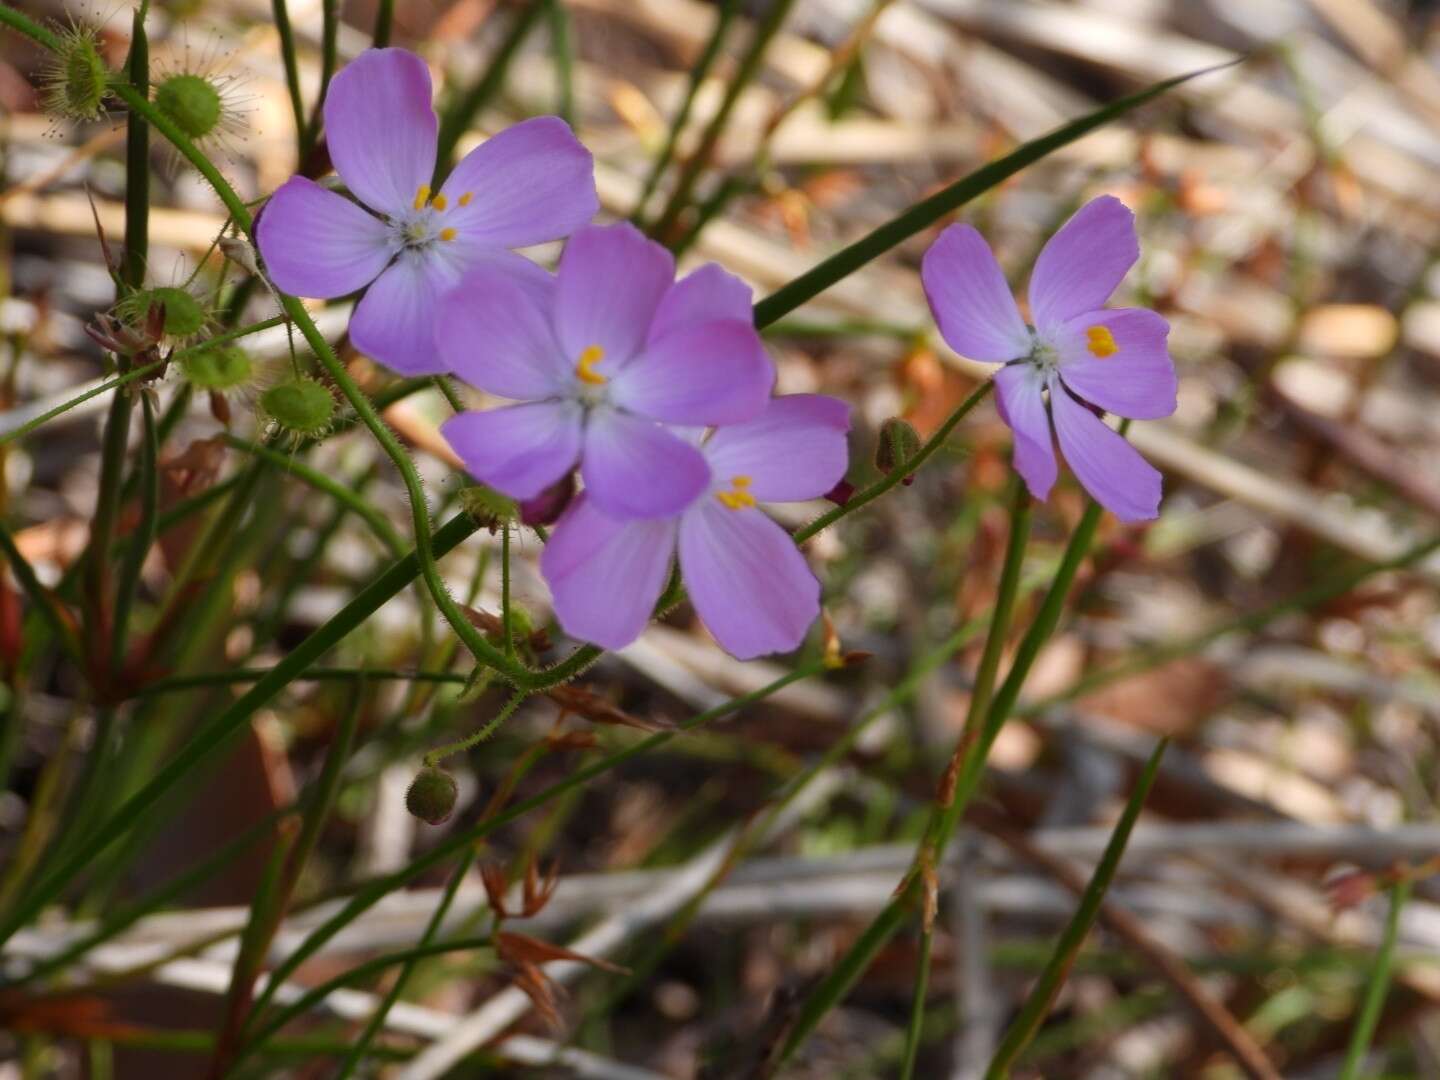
pixel 521 949
pixel 592 707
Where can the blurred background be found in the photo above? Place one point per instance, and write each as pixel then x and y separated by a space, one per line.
pixel 1279 621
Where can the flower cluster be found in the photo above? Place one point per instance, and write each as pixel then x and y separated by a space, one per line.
pixel 658 391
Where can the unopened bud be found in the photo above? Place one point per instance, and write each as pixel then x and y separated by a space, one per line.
pixel 431 795
pixel 302 406
pixel 899 443
pixel 488 507
pixel 547 507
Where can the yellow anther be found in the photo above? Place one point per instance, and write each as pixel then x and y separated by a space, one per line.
pixel 465 199
pixel 737 498
pixel 585 366
pixel 447 234
pixel 439 202
pixel 1102 342
pixel 421 194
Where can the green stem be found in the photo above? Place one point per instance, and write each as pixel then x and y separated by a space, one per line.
pixel 925 213
pixel 292 72
pixel 434 757
pixel 563 48
pixel 377 1019
pixel 836 985
pixel 384 20
pixel 216 735
pixel 458 117
pixel 700 159
pixel 1376 989
pixel 141 538
pixel 329 34
pixel 341 493
pixel 698 74
pixel 896 476
pixel 378 889
pixel 1067 948
pixel 313 997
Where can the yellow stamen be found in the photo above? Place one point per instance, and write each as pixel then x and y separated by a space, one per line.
pixel 421 194
pixel 1102 342
pixel 447 234
pixel 737 498
pixel 585 366
pixel 465 199
pixel 439 202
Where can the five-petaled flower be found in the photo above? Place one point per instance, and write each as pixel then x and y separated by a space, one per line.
pixel 747 579
pixel 1077 354
pixel 613 349
pixel 530 184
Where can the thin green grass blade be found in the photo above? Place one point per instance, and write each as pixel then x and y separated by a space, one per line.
pixel 925 213
pixel 216 735
pixel 1062 958
pixel 1377 989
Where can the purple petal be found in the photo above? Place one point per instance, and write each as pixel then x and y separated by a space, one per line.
pixel 747 580
pixel 1083 263
pixel 612 280
pixel 380 128
pixel 1022 405
pixel 703 295
pixel 1130 372
pixel 971 302
pixel 317 243
pixel 794 450
pixel 1112 470
pixel 532 183
pixel 634 468
pixel 394 322
pixel 605 575
pixel 521 449
pixel 704 373
pixel 495 332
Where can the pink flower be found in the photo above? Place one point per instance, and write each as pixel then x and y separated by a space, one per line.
pixel 1077 355
pixel 601 356
pixel 529 184
pixel 747 580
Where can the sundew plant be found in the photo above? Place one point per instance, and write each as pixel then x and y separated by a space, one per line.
pixel 684 539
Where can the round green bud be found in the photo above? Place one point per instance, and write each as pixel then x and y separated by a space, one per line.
pixel 184 317
pixel 301 405
pixel 191 102
pixel 431 795
pixel 219 367
pixel 76 83
pixel 899 442
pixel 488 506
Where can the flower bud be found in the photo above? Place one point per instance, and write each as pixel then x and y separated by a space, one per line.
pixel 175 312
pixel 899 442
pixel 75 83
pixel 302 406
pixel 431 795
pixel 191 102
pixel 488 507
pixel 218 367
pixel 546 508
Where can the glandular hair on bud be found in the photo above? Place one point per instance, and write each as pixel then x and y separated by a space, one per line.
pixel 191 102
pixel 488 507
pixel 301 405
pixel 899 443
pixel 431 795
pixel 219 367
pixel 75 83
